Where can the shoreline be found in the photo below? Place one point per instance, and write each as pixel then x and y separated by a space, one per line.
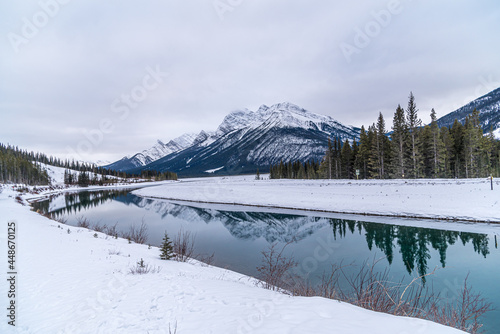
pixel 446 200
pixel 352 213
pixel 193 296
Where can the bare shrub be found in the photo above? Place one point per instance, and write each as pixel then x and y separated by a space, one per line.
pixel 111 231
pixel 82 222
pixel 374 291
pixel 328 286
pixel 61 220
pixel 142 268
pixel 114 252
pixel 465 313
pixel 99 228
pixel 208 260
pixel 136 234
pixel 184 246
pixel 275 269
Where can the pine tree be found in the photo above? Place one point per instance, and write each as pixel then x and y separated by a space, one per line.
pixel 329 156
pixel 381 145
pixel 447 140
pixel 364 152
pixel 167 250
pixel 472 141
pixel 457 163
pixel 346 155
pixel 399 143
pixel 413 125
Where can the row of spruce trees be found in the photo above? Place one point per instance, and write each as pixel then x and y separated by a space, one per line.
pixel 85 178
pixel 21 166
pixel 16 167
pixel 409 151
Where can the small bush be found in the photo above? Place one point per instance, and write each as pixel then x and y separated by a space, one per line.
pixel 99 228
pixel 61 220
pixel 142 268
pixel 111 231
pixel 275 269
pixel 82 222
pixel 114 252
pixel 138 235
pixel 184 246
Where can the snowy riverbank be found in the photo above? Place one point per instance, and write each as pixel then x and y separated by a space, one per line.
pixel 69 281
pixel 450 199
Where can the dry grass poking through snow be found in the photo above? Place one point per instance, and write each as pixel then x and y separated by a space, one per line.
pixel 375 291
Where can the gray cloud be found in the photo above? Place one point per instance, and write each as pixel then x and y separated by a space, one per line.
pixel 64 80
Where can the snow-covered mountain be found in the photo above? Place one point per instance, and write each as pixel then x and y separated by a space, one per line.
pixel 157 151
pixel 246 140
pixel 489 112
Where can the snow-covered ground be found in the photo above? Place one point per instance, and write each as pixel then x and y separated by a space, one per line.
pixel 56 175
pixel 466 200
pixel 69 281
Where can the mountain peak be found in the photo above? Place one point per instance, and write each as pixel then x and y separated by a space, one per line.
pixel 289 107
pixel 246 139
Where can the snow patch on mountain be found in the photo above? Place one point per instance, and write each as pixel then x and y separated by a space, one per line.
pixel 211 171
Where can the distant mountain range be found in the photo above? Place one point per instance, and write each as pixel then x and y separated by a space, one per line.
pixel 247 140
pixel 489 112
pixel 243 142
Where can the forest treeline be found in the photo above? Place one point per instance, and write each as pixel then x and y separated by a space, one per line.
pixel 16 167
pixel 410 150
pixel 21 166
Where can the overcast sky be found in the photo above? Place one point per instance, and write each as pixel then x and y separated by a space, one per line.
pixel 129 72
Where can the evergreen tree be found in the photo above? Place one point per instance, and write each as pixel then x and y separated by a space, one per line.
pixel 364 152
pixel 399 143
pixel 413 125
pixel 457 163
pixel 437 147
pixel 257 176
pixel 346 160
pixel 329 158
pixel 472 144
pixel 381 145
pixel 166 249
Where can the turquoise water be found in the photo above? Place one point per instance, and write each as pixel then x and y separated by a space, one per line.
pixel 238 235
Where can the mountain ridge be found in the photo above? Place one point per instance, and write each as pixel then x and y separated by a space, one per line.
pixel 247 139
pixel 488 106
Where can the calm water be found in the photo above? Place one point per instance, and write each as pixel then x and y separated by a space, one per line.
pixel 237 236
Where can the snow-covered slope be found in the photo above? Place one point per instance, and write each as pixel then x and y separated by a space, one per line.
pixel 73 280
pixel 157 151
pixel 247 140
pixel 56 174
pixel 489 112
pixel 448 199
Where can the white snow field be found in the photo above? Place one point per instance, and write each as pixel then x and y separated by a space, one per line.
pixel 69 281
pixel 460 199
